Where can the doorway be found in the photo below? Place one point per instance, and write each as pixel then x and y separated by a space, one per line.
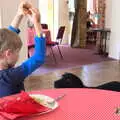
pixel 55 14
pixel 96 9
pixel 47 14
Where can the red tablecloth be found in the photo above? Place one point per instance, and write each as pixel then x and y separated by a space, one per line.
pixel 81 104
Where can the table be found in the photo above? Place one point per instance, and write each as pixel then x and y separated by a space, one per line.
pixel 102 37
pixel 81 104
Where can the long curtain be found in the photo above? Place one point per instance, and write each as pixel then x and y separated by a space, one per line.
pixel 78 38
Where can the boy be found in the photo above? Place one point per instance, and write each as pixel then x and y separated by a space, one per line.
pixel 11 79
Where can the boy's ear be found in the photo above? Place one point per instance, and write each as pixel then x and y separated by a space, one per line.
pixel 7 52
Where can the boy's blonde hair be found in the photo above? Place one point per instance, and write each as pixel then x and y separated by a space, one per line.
pixel 9 40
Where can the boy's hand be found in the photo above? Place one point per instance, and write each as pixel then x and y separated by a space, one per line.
pixel 24 8
pixel 35 15
pixel 36 20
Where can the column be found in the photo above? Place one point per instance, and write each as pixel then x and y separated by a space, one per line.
pixel 63 19
pixel 78 38
pixel 82 34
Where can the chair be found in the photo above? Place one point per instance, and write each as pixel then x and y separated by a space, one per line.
pixel 50 43
pixel 31 34
pixel 58 41
pixel 30 47
pixel 30 40
pixel 44 26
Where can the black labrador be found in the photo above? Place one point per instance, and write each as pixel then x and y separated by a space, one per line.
pixel 70 80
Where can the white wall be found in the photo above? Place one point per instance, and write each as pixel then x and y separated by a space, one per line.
pixel 59 16
pixel 56 17
pixel 114 45
pixel 71 5
pixel 8 10
pixel 108 13
pixel 108 18
pixel 64 18
pixel 90 5
pixel 43 6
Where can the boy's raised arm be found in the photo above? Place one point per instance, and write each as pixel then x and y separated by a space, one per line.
pixel 36 21
pixel 38 57
pixel 23 9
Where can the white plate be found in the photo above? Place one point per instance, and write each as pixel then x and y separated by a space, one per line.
pixel 44 101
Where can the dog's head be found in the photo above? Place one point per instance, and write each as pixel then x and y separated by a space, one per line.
pixel 69 80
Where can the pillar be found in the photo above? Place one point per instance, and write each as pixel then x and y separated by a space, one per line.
pixel 78 38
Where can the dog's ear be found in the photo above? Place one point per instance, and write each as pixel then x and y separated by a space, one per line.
pixel 65 74
pixel 68 75
pixel 69 80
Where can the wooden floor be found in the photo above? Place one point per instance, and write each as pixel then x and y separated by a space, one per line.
pixel 91 75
